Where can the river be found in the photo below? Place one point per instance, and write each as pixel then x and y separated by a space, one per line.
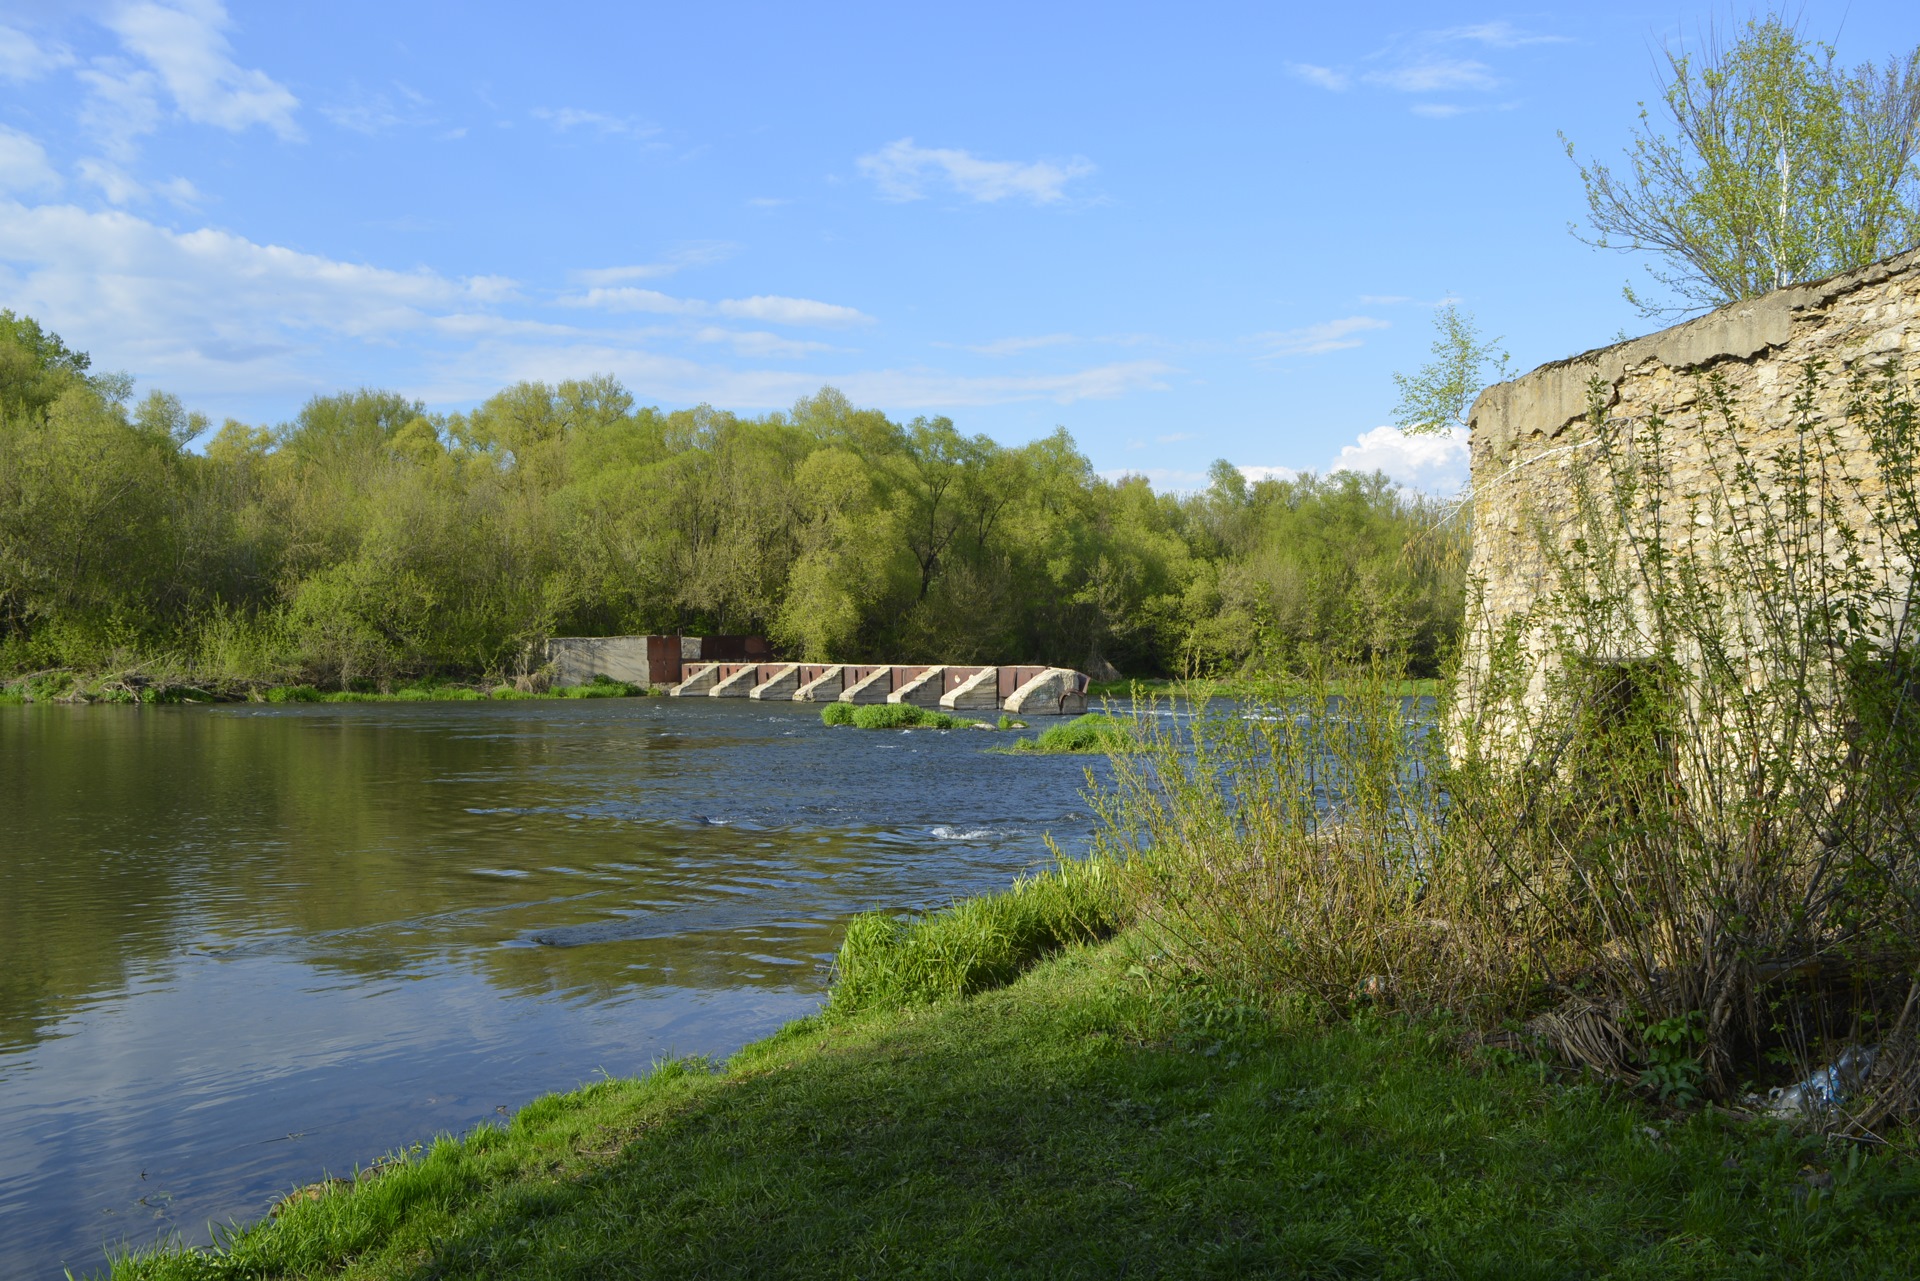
pixel 245 946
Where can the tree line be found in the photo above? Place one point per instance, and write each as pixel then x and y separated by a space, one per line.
pixel 369 541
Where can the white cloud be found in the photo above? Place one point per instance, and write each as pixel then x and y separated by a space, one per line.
pixel 790 311
pixel 699 253
pixel 376 111
pixel 903 171
pixel 23 164
pixel 1437 110
pixel 122 104
pixel 216 317
pixel 565 119
pixel 184 44
pixel 758 342
pixel 1258 474
pixel 1436 462
pixel 1014 346
pixel 122 188
pixel 1315 340
pixel 1498 35
pixel 23 58
pixel 1433 75
pixel 115 183
pixel 205 308
pixel 1324 77
pixel 766 307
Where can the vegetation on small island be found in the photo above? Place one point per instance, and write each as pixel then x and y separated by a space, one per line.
pixel 893 716
pixel 1094 732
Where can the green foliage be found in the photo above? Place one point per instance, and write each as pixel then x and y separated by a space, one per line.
pixel 294 694
pixel 601 686
pixel 1673 1070
pixel 1436 399
pixel 889 960
pixel 370 545
pixel 889 716
pixel 1094 732
pixel 1781 166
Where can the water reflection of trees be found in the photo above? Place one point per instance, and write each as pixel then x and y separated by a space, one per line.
pixel 349 840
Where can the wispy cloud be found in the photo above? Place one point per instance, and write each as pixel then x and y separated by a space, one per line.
pixel 1258 474
pixel 1324 77
pixel 1174 438
pixel 185 44
pixel 1499 35
pixel 760 343
pixel 23 164
pixel 1315 340
pixel 698 253
pixel 377 111
pixel 903 171
pixel 771 308
pixel 23 58
pixel 1435 75
pixel 566 119
pixel 1014 346
pixel 1428 62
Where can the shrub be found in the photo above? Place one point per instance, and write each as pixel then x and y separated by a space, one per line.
pixel 294 694
pixel 837 714
pixel 1670 818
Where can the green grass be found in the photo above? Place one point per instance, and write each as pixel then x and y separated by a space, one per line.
pixel 1088 1119
pixel 976 944
pixel 890 716
pixel 1094 732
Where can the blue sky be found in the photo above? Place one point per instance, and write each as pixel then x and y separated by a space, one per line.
pixel 1182 232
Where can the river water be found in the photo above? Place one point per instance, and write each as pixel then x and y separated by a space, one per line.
pixel 244 946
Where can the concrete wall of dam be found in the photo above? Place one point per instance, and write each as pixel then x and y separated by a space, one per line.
pixel 742 667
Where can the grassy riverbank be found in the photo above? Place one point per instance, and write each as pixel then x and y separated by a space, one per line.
pixel 1089 1119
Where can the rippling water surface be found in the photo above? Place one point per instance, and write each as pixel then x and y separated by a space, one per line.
pixel 242 946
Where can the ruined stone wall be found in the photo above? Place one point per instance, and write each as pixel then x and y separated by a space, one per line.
pixel 1532 439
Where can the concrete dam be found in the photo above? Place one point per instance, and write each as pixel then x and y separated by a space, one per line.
pixel 742 667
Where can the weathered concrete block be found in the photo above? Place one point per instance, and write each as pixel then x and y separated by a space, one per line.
pixel 1056 691
pixel 824 688
pixel 980 692
pixel 737 685
pixel 781 684
pixel 873 689
pixel 1530 436
pixel 699 682
pixel 923 690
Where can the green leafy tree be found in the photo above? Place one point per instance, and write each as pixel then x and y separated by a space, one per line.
pixel 1437 397
pixel 1777 165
